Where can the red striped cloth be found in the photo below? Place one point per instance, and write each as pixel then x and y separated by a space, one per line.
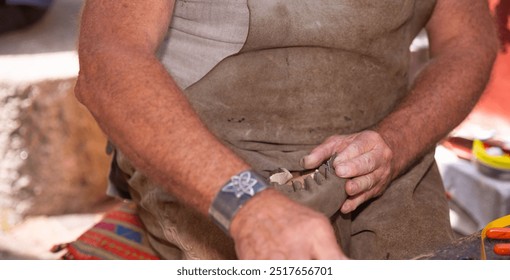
pixel 118 236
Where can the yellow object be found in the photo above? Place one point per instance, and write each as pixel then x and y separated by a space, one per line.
pixel 499 162
pixel 501 222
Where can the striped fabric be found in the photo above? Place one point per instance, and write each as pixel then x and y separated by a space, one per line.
pixel 118 236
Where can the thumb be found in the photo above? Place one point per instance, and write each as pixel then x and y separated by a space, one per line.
pixel 317 156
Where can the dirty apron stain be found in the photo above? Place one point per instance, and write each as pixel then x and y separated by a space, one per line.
pixel 305 71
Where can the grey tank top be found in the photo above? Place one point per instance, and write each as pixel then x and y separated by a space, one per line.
pixel 274 78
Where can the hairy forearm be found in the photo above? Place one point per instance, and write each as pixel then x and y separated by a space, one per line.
pixel 144 113
pixel 441 97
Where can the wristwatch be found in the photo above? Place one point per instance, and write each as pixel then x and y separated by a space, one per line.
pixel 233 195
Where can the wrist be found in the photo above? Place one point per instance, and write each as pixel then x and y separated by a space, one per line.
pixel 397 152
pixel 234 194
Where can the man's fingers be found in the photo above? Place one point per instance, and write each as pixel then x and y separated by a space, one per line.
pixel 353 150
pixel 360 144
pixel 324 151
pixel 353 202
pixel 318 155
pixel 356 200
pixel 363 183
pixel 364 157
pixel 357 166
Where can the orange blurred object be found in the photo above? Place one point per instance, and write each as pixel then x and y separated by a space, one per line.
pixel 502 249
pixel 498 233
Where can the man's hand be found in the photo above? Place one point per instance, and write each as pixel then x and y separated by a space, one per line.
pixel 271 226
pixel 363 157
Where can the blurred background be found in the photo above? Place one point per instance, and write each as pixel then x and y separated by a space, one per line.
pixel 53 165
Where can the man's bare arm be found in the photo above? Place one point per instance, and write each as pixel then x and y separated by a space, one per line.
pixel 463 46
pixel 140 107
pixel 145 114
